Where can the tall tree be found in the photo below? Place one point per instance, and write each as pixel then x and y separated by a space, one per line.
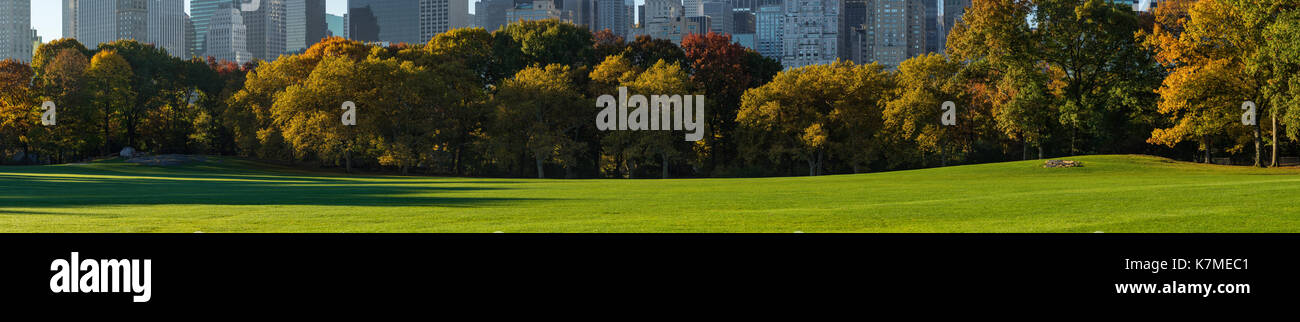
pixel 109 77
pixel 536 112
pixel 913 117
pixel 717 65
pixel 808 112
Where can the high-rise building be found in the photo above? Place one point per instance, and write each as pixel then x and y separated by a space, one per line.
pixel 390 21
pixel 664 20
pixel 931 25
pixel 69 18
pixel 336 24
pixel 721 17
pixel 439 16
pixel 615 15
pixel 742 20
pixel 226 37
pixel 491 14
pixel 16 30
pixel 536 10
pixel 167 23
pixel 692 8
pixel 201 12
pixel 266 29
pixel 949 15
pixel 899 31
pixel 811 34
pixel 305 24
pixel 404 21
pixel 859 22
pixel 769 25
pixel 110 20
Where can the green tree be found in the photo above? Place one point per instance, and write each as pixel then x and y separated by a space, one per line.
pixel 808 112
pixel 536 112
pixel 109 77
pixel 913 116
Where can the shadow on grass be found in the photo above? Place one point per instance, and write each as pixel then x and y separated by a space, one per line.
pixel 81 187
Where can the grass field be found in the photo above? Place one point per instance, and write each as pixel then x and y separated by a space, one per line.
pixel 1110 194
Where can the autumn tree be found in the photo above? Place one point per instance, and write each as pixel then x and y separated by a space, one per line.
pixel 63 82
pixel 18 112
pixel 718 67
pixel 913 116
pixel 109 77
pixel 1219 57
pixel 536 112
pixel 812 111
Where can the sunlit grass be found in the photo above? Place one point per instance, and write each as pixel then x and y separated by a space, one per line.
pixel 1110 194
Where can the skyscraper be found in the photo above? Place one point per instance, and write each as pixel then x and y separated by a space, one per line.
pixel 16 30
pixel 201 12
pixel 104 21
pixel 226 38
pixel 335 23
pixel 266 29
pixel 167 23
pixel 439 16
pixel 693 8
pixel 305 24
pixel 769 25
pixel 404 21
pixel 69 18
pixel 899 31
pixel 491 14
pixel 535 10
pixel 721 17
pixel 811 34
pixel 615 15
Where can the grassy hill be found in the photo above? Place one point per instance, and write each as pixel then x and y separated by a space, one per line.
pixel 1110 194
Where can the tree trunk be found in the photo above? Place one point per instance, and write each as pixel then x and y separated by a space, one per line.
pixel 664 156
pixel 1024 150
pixel 1208 146
pixel 347 160
pixel 455 167
pixel 1040 151
pixel 1259 153
pixel 1274 142
pixel 541 173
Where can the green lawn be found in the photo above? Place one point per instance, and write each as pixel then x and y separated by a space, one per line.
pixel 1110 194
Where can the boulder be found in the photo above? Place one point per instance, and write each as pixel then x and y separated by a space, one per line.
pixel 127 152
pixel 1062 164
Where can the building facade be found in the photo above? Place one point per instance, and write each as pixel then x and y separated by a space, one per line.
pixel 305 24
pixel 811 33
pixel 536 10
pixel 227 36
pixel 16 30
pixel 721 17
pixel 615 15
pixel 404 21
pixel 167 27
pixel 769 31
pixel 110 20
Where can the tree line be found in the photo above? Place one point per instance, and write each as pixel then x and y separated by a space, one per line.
pixel 1030 79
